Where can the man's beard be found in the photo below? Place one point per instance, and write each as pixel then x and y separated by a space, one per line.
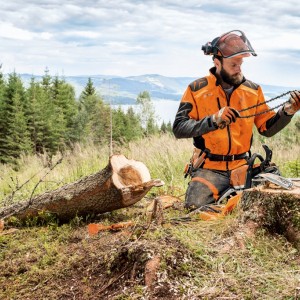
pixel 231 79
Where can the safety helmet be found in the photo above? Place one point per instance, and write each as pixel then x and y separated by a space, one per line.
pixel 230 44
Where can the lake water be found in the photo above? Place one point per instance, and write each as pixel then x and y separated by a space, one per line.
pixel 167 109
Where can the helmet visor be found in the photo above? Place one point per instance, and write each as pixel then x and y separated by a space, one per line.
pixel 234 43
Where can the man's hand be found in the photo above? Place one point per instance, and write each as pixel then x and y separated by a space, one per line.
pixel 225 116
pixel 293 105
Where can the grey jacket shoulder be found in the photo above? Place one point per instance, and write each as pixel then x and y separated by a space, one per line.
pixel 198 84
pixel 250 84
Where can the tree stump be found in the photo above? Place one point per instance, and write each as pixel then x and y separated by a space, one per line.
pixel 120 184
pixel 275 209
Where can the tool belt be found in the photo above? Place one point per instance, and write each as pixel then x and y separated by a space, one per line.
pixel 242 177
pixel 217 157
pixel 199 156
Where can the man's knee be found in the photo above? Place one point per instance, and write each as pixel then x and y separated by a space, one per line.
pixel 197 195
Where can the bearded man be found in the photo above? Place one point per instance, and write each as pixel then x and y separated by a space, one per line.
pixel 210 112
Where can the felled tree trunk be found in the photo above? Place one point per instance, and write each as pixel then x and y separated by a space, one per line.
pixel 120 184
pixel 277 210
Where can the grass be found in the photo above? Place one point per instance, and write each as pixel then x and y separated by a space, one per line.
pixel 198 259
pixel 164 156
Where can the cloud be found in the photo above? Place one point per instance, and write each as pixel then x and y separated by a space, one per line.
pixel 9 31
pixel 128 37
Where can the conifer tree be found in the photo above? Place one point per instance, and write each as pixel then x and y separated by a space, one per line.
pixel 166 127
pixel 163 127
pixel 2 85
pixel 86 109
pixel 169 127
pixel 99 122
pixel 89 97
pixel 118 126
pixel 126 126
pixel 38 116
pixel 55 85
pixel 66 100
pixel 152 127
pixel 53 114
pixel 18 139
pixel 93 120
pixel 134 128
pixel 46 81
pixel 89 89
pixel 12 129
pixel 56 123
pixel 2 102
pixel 14 86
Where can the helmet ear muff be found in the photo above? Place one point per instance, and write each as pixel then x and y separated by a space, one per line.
pixel 210 47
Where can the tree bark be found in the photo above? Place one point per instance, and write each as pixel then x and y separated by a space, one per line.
pixel 120 184
pixel 276 210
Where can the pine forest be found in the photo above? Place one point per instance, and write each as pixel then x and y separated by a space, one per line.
pixel 47 118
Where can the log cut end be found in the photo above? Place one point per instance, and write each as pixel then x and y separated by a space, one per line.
pixel 131 179
pixel 128 172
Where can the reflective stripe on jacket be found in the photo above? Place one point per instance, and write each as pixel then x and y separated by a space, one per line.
pixel 203 98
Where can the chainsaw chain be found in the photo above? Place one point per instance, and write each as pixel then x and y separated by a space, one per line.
pixel 267 101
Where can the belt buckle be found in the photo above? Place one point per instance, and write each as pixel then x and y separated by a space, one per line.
pixel 232 157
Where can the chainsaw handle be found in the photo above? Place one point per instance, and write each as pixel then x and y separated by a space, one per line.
pixel 251 172
pixel 269 154
pixel 253 158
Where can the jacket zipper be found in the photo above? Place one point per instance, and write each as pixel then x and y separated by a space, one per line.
pixel 228 127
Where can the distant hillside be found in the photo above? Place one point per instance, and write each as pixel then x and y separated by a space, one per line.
pixel 124 90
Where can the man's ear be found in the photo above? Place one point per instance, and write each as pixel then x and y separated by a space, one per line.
pixel 217 63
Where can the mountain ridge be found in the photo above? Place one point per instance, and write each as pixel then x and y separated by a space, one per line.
pixel 125 89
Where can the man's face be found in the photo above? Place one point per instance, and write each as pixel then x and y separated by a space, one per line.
pixel 230 70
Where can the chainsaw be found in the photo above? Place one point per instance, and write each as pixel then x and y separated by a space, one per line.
pixel 254 174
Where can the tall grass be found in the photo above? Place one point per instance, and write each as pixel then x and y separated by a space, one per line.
pixel 36 174
pixel 164 156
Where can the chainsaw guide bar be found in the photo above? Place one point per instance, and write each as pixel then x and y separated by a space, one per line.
pixel 287 183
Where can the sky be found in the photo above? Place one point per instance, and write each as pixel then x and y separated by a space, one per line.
pixel 130 37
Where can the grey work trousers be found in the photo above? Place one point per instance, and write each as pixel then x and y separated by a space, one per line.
pixel 206 187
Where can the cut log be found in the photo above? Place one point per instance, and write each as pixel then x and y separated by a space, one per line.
pixel 274 209
pixel 120 184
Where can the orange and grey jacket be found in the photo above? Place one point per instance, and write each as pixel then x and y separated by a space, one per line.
pixel 203 98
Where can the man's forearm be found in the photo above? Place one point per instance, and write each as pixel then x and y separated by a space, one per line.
pixel 185 127
pixel 276 123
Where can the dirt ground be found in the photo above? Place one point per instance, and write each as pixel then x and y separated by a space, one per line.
pixel 131 263
pixel 169 259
